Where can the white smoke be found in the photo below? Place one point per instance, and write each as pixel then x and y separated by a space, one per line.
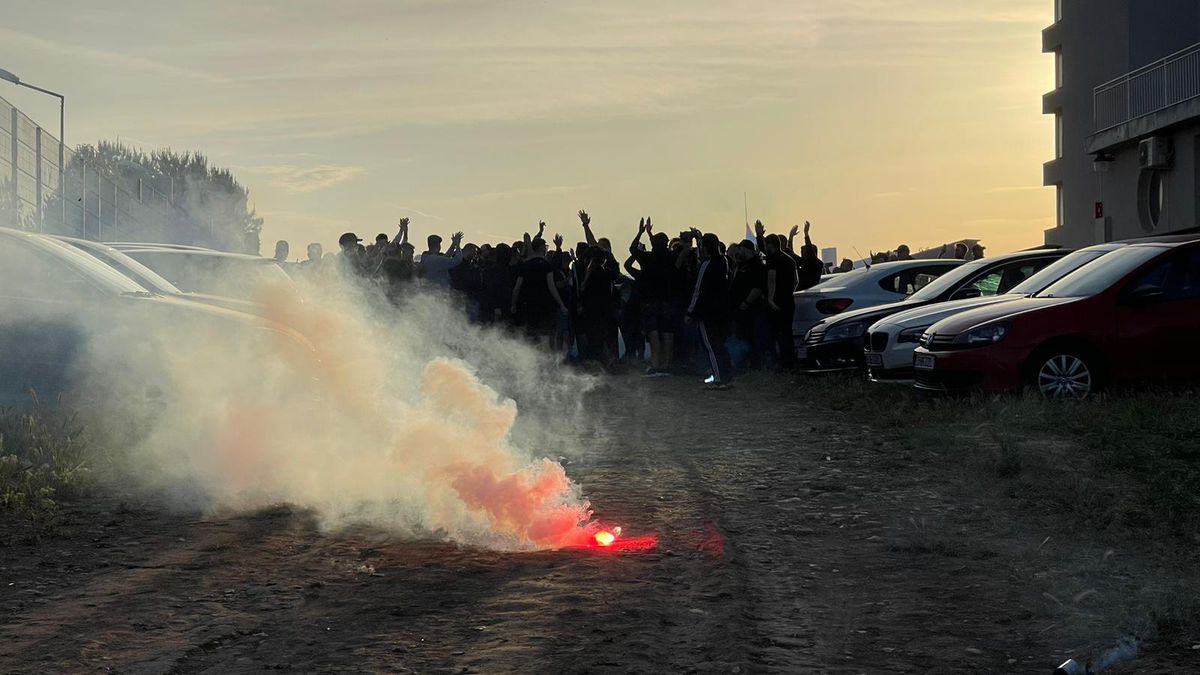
pixel 399 417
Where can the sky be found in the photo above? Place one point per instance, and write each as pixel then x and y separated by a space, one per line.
pixel 880 121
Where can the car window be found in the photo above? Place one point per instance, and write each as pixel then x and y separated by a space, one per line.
pixel 1178 277
pixel 1092 279
pixel 35 275
pixel 913 279
pixel 1005 278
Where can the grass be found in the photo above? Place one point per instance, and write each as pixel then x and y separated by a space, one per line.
pixel 1123 462
pixel 1124 466
pixel 43 459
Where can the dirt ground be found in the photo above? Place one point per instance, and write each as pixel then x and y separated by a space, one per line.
pixel 788 542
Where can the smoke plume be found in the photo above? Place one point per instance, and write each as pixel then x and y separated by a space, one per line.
pixel 403 417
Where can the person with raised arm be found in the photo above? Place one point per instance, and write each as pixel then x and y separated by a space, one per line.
pixel 654 288
pixel 781 285
pixel 435 267
pixel 535 295
pixel 809 266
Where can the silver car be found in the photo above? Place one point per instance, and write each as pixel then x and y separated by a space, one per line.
pixel 867 287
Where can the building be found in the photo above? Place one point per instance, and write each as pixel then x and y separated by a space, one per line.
pixel 1126 106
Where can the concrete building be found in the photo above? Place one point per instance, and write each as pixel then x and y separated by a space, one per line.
pixel 1127 118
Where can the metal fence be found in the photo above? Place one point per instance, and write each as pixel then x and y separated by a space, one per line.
pixel 93 203
pixel 1149 89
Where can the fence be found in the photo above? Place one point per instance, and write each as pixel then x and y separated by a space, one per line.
pixel 93 202
pixel 1147 90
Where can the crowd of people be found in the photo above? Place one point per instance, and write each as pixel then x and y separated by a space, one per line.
pixel 682 304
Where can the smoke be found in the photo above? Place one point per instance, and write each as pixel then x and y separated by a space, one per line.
pixel 403 417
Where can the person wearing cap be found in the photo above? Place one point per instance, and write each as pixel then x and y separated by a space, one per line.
pixel 352 256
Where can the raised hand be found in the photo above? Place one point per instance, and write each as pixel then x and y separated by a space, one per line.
pixel 642 226
pixel 558 241
pixel 456 238
pixel 584 218
pixel 649 226
pixel 760 229
pixel 806 226
pixel 794 231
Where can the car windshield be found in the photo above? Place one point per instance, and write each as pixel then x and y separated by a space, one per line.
pixel 947 281
pixel 231 276
pixel 61 266
pixel 1056 270
pixel 129 267
pixel 1092 279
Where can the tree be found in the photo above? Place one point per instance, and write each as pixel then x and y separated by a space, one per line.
pixel 211 207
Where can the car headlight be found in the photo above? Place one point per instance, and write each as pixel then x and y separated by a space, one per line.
pixel 846 331
pixel 912 335
pixel 983 335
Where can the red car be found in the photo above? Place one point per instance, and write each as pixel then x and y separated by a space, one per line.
pixel 1130 316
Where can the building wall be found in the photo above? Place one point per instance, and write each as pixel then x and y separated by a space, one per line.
pixel 1098 41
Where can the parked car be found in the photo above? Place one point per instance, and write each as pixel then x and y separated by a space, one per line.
pixel 866 287
pixel 192 270
pixel 1132 316
pixel 890 342
pixel 836 343
pixel 151 280
pixel 56 302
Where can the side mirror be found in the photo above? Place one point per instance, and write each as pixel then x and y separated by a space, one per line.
pixel 1145 295
pixel 968 292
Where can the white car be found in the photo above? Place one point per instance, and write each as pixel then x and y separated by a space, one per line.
pixel 891 341
pixel 150 279
pixel 219 273
pixel 867 287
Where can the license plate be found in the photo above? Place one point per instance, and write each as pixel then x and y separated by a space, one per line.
pixel 923 361
pixel 875 360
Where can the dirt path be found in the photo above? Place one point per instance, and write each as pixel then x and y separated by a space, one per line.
pixel 802 548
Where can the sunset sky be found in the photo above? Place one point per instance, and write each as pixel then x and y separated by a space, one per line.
pixel 881 121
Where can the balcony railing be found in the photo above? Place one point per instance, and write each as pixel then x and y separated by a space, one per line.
pixel 1149 89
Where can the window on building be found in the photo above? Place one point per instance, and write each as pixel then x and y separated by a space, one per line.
pixel 1058 69
pixel 1059 204
pixel 1058 10
pixel 1058 135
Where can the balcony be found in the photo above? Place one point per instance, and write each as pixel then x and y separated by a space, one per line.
pixel 1152 97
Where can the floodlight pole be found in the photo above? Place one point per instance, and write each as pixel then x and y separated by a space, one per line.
pixel 62 141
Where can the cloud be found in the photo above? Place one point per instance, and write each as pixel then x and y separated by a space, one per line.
pixel 18 40
pixel 524 193
pixel 305 178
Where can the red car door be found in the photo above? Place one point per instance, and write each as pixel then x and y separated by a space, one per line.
pixel 1158 319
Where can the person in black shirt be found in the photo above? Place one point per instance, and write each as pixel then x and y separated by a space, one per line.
pixel 781 284
pixel 709 307
pixel 809 267
pixel 498 281
pixel 656 269
pixel 748 279
pixel 597 308
pixel 536 296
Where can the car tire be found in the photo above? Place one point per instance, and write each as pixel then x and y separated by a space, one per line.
pixel 1064 373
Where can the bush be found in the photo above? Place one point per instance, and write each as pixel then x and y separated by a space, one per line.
pixel 42 460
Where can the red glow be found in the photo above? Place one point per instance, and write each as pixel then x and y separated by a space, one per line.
pixel 612 539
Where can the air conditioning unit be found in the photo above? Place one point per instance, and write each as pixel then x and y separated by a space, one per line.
pixel 1155 153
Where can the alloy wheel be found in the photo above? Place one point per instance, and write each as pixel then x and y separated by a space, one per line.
pixel 1065 376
